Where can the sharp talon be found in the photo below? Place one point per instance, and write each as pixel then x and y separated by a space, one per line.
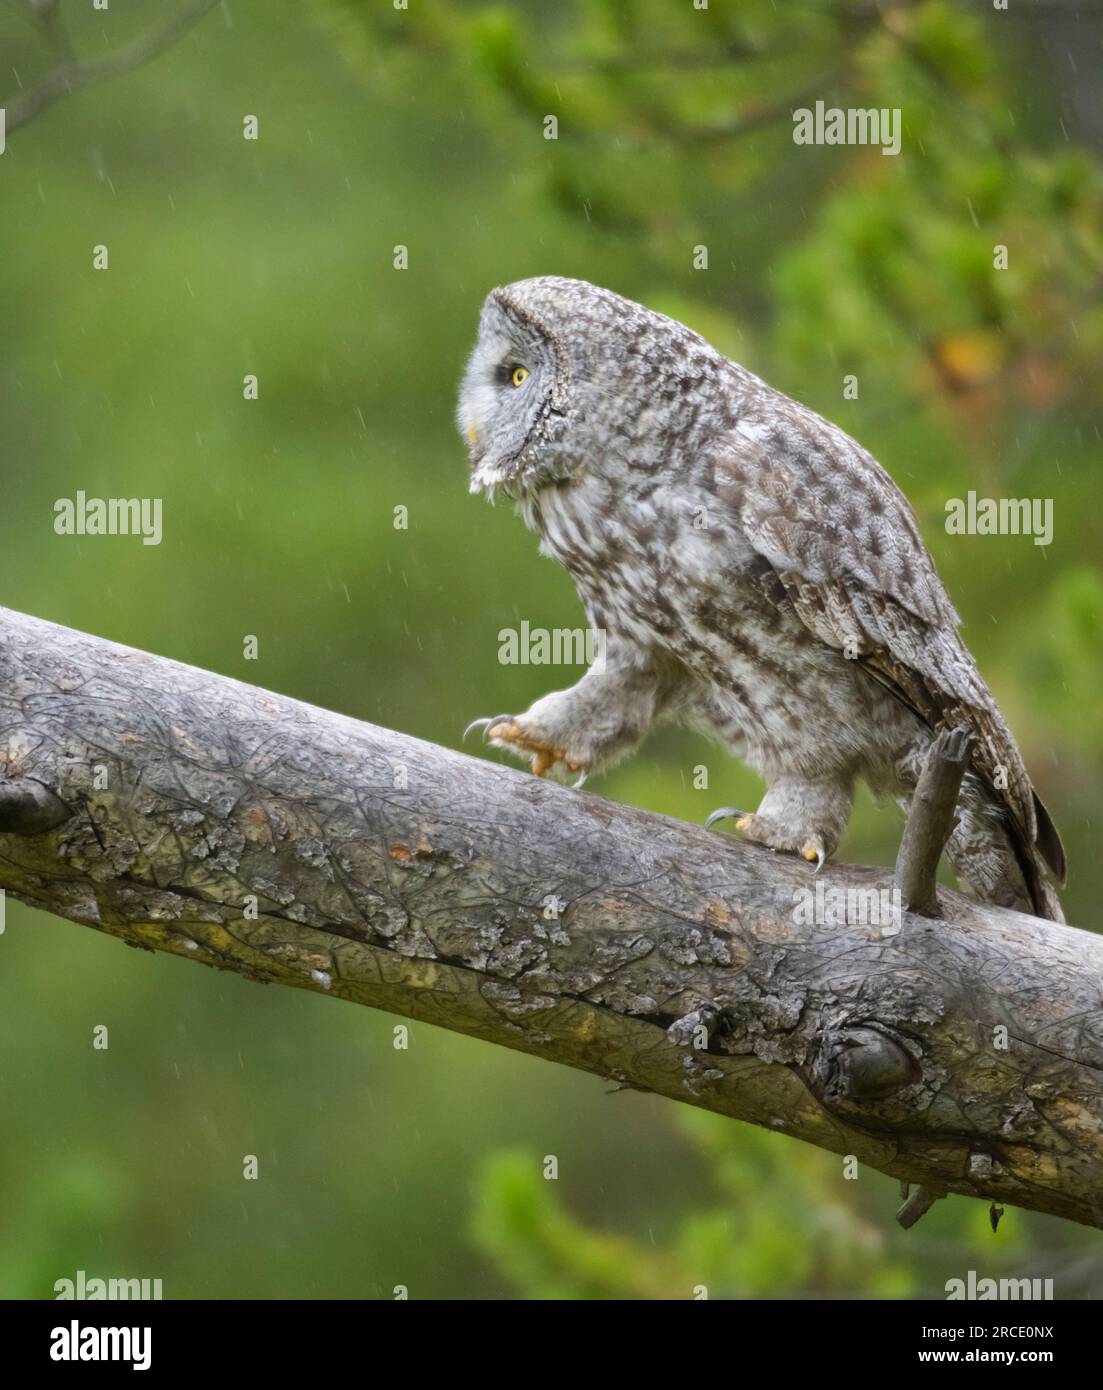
pixel 723 814
pixel 814 853
pixel 581 781
pixel 485 724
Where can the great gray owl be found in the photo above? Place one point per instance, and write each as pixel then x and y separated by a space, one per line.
pixel 757 575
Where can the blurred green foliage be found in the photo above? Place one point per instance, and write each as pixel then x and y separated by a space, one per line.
pixel 424 127
pixel 758 1238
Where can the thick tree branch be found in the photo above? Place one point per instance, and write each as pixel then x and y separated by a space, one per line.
pixel 248 831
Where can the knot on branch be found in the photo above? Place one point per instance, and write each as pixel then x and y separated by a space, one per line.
pixel 862 1062
pixel 28 807
pixel 697 1028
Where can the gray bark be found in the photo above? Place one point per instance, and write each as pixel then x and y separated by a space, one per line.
pixel 158 803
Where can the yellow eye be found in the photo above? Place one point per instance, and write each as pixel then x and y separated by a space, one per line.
pixel 520 376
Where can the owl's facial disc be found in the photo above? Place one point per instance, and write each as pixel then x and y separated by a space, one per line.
pixel 505 401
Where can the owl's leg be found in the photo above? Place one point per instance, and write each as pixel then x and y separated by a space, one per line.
pixel 798 814
pixel 595 722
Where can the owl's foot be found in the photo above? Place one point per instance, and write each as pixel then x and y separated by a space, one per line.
pixel 508 732
pixel 762 830
pixel 484 724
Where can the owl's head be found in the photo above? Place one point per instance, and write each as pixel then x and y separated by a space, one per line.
pixel 566 376
pixel 515 397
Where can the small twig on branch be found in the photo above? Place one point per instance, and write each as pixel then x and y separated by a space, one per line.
pixel 917 1205
pixel 71 76
pixel 930 821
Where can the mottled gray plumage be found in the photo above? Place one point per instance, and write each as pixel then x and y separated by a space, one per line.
pixel 757 573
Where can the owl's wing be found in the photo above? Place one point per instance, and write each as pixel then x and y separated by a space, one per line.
pixel 841 546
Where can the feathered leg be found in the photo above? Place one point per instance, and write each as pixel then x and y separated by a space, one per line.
pixel 601 719
pixel 798 814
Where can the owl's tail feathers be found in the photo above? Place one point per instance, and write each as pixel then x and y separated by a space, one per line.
pixel 1048 904
pixel 995 861
pixel 1047 849
pixel 1049 842
pixel 1043 899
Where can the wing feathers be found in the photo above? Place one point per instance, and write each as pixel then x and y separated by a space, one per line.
pixel 846 548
